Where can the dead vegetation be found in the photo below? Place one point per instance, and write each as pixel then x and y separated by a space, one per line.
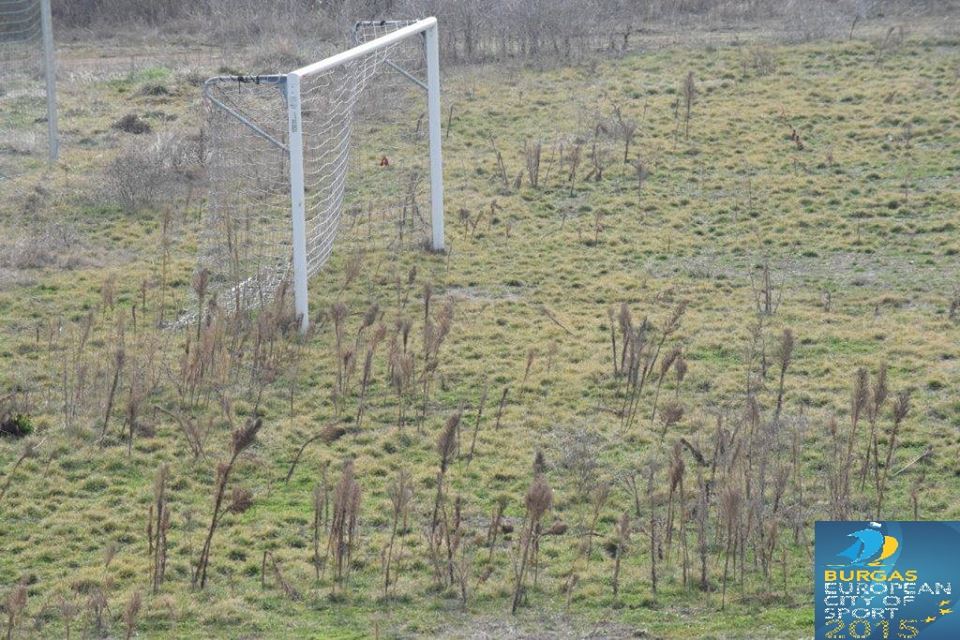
pixel 679 461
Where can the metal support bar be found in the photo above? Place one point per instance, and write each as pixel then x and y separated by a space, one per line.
pixel 272 79
pixel 406 74
pixel 388 23
pixel 50 72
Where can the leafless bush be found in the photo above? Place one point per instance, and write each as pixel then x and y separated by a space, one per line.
pixel 640 353
pixel 98 605
pixel 401 364
pixel 532 155
pixel 158 525
pixel 343 524
pixel 784 356
pixel 328 435
pixel 731 503
pixel 444 534
pixel 665 365
pixel 578 454
pixel 689 96
pixel 539 500
pixel 53 244
pixel 574 157
pixel 900 409
pixel 436 328
pixel 627 128
pixel 321 510
pixel 68 610
pixel 223 20
pixel 15 605
pixel 130 615
pixel 767 293
pixel 620 547
pixel 243 438
pixel 542 33
pixel 143 175
pixel 806 20
pixel 195 430
pixel 502 172
pixel 401 493
pixel 760 59
pixel 288 589
pixel 641 171
pixel 598 498
pixel 476 425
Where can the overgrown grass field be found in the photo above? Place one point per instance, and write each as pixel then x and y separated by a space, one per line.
pixel 795 225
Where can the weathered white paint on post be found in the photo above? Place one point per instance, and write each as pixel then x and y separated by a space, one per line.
pixel 50 73
pixel 436 158
pixel 297 201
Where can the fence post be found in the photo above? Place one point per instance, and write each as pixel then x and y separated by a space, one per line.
pixel 50 73
pixel 436 159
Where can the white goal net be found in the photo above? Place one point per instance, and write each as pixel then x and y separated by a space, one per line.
pixel 27 103
pixel 361 122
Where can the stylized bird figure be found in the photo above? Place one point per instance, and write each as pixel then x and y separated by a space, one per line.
pixel 868 544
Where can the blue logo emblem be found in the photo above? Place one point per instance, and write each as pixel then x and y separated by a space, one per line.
pixel 887 580
pixel 870 547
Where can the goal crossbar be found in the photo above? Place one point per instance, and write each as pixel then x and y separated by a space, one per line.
pixel 289 84
pixel 361 50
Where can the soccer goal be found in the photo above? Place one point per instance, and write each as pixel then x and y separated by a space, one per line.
pixel 27 84
pixel 343 150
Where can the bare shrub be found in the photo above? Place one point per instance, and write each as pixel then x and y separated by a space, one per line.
pixel 767 293
pixel 539 500
pixel 689 96
pixel 627 129
pixel 620 547
pixel 130 615
pixel 343 524
pixel 52 244
pixel 578 454
pixel 288 589
pixel 158 524
pixel 900 409
pixel 401 493
pixel 143 175
pixel 16 603
pixel 760 59
pixel 243 438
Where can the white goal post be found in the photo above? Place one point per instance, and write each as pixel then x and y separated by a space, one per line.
pixel 314 156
